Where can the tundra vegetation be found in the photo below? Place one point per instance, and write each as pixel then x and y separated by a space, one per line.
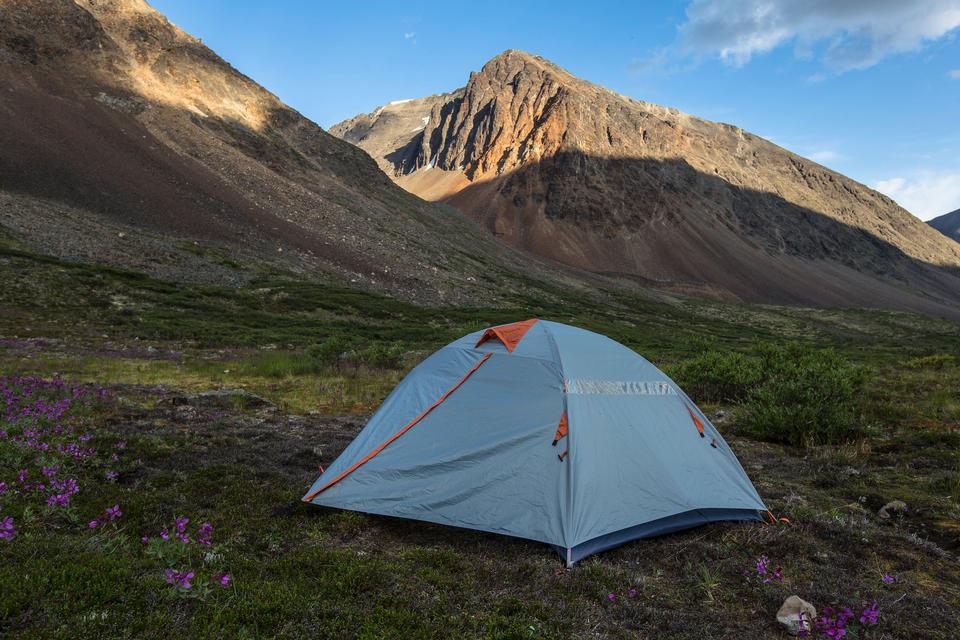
pixel 132 504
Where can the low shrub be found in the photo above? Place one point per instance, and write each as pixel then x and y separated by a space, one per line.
pixel 791 394
pixel 807 397
pixel 381 355
pixel 718 376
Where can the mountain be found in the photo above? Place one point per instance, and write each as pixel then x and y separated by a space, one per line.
pixel 125 141
pixel 571 171
pixel 948 224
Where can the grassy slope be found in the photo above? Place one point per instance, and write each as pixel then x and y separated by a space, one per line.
pixel 303 571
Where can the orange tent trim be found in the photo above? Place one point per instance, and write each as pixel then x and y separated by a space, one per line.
pixel 402 431
pixel 561 429
pixel 696 422
pixel 509 334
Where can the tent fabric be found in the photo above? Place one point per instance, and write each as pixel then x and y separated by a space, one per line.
pixel 470 439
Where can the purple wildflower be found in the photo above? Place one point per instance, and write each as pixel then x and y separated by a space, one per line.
pixel 22 476
pixel 181 524
pixel 50 471
pixel 222 579
pixel 888 579
pixel 164 534
pixel 870 615
pixel 632 592
pixel 121 444
pixel 93 524
pixel 112 513
pixel 3 488
pixel 204 533
pixel 612 597
pixel 183 580
pixel 145 539
pixel 170 575
pixel 112 475
pixel 7 530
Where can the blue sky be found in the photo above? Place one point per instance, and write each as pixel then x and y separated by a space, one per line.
pixel 870 88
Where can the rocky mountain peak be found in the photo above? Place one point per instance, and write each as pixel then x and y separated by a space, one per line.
pixel 572 171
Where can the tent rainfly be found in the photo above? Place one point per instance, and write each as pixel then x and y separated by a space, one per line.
pixel 542 431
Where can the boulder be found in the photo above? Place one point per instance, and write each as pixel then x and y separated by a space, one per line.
pixel 796 615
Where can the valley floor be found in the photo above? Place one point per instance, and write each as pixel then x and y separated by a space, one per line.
pixel 134 430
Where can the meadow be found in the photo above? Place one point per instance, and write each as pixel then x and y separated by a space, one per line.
pixel 133 504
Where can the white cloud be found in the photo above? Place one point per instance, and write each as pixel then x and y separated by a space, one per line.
pixel 410 36
pixel 823 155
pixel 926 195
pixel 855 34
pixel 955 74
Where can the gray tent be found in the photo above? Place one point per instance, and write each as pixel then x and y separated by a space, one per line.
pixel 543 431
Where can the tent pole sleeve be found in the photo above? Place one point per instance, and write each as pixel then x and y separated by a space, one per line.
pixel 407 427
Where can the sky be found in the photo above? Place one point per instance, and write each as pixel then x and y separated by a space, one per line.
pixel 870 88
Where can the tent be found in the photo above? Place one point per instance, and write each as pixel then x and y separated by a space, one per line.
pixel 544 431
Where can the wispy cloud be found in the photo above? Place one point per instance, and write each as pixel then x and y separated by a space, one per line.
pixel 926 195
pixel 955 74
pixel 824 155
pixel 852 34
pixel 410 36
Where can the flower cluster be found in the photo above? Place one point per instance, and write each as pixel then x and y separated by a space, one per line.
pixel 764 572
pixel 44 426
pixel 175 547
pixel 836 623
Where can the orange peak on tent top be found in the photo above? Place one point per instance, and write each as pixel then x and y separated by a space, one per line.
pixel 509 334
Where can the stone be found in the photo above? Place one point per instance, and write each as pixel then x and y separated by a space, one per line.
pixel 891 508
pixel 796 615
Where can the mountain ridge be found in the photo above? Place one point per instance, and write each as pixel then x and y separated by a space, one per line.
pixel 948 224
pixel 126 141
pixel 570 170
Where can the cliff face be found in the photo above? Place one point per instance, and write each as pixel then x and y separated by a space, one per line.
pixel 572 171
pixel 124 140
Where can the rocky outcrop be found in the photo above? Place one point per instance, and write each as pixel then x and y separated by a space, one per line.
pixel 566 169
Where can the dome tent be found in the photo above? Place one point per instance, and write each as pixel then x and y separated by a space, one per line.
pixel 542 431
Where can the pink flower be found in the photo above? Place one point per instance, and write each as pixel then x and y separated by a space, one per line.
pixel 222 579
pixel 93 524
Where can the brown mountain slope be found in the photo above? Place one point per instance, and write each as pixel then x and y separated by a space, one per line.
pixel 572 171
pixel 948 224
pixel 124 140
